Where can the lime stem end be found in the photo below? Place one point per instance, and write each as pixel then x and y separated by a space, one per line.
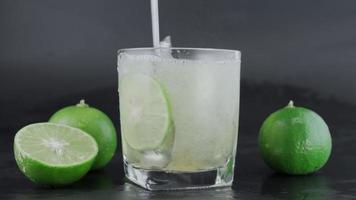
pixel 82 103
pixel 290 104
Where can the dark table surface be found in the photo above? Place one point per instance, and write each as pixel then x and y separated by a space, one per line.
pixel 253 179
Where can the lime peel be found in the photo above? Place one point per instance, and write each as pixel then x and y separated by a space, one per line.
pixel 295 141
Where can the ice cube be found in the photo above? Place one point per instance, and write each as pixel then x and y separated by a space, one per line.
pixel 154 159
pixel 166 42
pixel 164 50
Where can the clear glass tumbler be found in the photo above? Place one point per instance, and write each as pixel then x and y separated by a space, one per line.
pixel 179 111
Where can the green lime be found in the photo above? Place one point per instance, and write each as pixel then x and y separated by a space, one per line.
pixel 145 113
pixel 54 154
pixel 94 122
pixel 295 140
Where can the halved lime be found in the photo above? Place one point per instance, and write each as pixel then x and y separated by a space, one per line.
pixel 54 154
pixel 145 113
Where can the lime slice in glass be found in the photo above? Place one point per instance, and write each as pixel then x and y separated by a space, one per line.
pixel 145 113
pixel 54 154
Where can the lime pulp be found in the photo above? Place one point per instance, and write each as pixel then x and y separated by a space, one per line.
pixel 145 112
pixel 54 154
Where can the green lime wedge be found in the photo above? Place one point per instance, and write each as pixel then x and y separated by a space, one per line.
pixel 145 113
pixel 54 154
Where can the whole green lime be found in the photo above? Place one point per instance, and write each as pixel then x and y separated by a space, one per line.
pixel 94 122
pixel 295 140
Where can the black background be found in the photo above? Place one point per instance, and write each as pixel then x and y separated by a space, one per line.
pixel 53 53
pixel 67 46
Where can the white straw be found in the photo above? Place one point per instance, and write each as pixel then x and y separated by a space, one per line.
pixel 155 22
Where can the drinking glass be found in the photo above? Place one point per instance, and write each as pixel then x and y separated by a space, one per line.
pixel 179 112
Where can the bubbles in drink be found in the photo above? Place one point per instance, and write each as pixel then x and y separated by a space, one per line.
pixel 203 108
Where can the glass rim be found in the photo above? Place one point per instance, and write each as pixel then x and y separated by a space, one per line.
pixel 179 48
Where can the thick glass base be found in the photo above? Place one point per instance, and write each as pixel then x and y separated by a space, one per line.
pixel 162 180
